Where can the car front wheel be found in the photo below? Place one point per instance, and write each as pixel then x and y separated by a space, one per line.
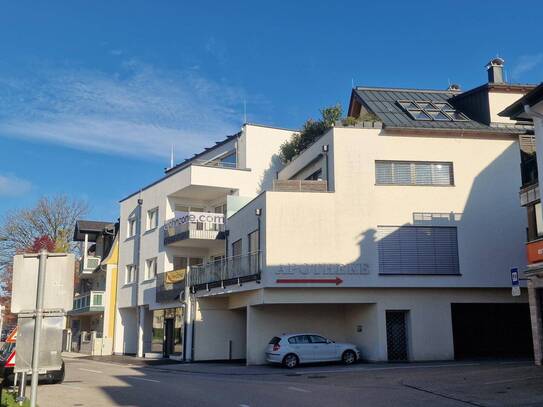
pixel 290 361
pixel 348 357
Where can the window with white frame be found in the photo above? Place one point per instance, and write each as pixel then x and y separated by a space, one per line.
pixel 130 275
pixel 413 173
pixel 150 269
pixel 152 218
pixel 131 229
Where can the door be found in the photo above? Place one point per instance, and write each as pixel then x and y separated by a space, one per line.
pixel 491 330
pixel 396 323
pixel 323 349
pixel 301 345
pixel 169 339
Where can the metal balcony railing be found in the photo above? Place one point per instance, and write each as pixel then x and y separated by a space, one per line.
pixel 215 163
pixel 92 299
pixel 231 270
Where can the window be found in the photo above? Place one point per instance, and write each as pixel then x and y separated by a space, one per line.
pixel 317 175
pixel 150 269
pixel 254 257
pixel 152 218
pixel 131 230
pixel 130 275
pixel 236 248
pixel 253 241
pixel 413 173
pixel 418 250
pixel 186 208
pixel 299 340
pixel 318 339
pixel 229 160
pixel 538 219
pixel 431 110
pixel 221 209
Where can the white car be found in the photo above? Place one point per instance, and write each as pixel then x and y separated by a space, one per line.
pixel 293 349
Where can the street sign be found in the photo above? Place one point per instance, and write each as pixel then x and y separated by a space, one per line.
pixel 10 361
pixel 59 282
pixel 12 337
pixel 515 282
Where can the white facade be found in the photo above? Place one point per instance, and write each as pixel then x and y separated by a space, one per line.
pixel 201 185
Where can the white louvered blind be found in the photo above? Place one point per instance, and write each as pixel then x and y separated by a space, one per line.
pixel 418 250
pixel 413 173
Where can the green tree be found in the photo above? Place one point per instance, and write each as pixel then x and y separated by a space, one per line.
pixel 310 132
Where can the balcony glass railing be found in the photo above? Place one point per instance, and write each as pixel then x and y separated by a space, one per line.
pixel 194 225
pixel 226 271
pixel 91 299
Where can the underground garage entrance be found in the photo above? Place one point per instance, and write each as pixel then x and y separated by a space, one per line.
pixel 491 330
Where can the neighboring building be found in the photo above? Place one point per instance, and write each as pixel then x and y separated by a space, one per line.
pixel 530 108
pixel 406 249
pixel 93 316
pixel 176 223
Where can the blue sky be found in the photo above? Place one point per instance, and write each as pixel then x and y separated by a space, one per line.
pixel 93 94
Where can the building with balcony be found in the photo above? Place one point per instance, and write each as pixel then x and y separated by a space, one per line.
pixel 530 109
pixel 91 321
pixel 176 224
pixel 396 234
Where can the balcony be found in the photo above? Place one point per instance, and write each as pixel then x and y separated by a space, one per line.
pixel 534 251
pixel 169 285
pixel 229 271
pixel 88 264
pixel 296 185
pixel 88 303
pixel 195 229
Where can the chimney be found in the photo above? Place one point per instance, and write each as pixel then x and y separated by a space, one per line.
pixel 454 87
pixel 495 70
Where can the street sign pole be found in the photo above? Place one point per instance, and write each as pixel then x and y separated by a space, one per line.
pixel 37 328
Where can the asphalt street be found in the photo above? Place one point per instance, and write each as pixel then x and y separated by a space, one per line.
pixel 96 383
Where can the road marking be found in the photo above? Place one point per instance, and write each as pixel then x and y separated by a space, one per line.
pixel 244 405
pixel 369 369
pixel 513 380
pixel 298 389
pixel 90 370
pixel 72 387
pixel 141 378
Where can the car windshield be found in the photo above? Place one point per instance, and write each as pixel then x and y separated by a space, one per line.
pixel 275 340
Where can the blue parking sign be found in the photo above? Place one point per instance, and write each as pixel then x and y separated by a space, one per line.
pixel 515 282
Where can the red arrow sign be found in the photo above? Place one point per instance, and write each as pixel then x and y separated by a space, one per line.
pixel 336 281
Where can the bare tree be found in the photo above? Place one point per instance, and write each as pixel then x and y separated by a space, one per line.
pixel 52 217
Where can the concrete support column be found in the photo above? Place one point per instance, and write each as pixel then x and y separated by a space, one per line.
pixel 141 326
pixel 190 306
pixel 535 316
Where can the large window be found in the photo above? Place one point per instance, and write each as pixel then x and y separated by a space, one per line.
pixel 418 250
pixel 413 173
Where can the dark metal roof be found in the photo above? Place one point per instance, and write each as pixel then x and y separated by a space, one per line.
pixel 531 98
pixel 91 227
pixel 383 102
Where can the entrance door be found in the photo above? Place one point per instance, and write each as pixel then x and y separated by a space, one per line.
pixel 168 336
pixel 396 322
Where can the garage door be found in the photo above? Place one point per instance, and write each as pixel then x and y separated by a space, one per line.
pixel 491 330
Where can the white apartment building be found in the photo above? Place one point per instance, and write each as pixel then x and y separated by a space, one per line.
pixel 395 234
pixel 178 222
pixel 406 250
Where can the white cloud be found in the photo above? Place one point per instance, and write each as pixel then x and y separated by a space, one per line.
pixel 139 111
pixel 525 64
pixel 11 186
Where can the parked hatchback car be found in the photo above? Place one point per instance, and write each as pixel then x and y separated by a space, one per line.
pixel 293 349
